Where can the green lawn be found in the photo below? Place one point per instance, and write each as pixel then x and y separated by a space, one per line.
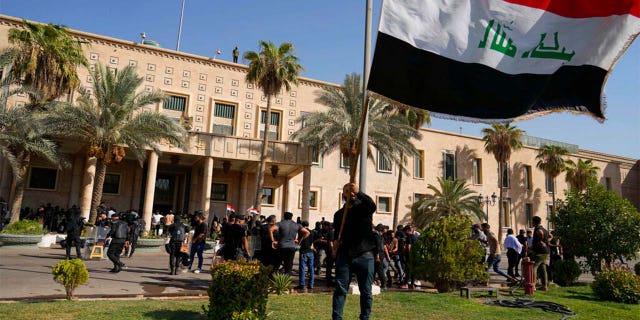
pixel 389 305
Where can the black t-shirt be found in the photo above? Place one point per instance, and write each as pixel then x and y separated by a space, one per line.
pixel 200 228
pixel 233 237
pixel 380 244
pixel 305 245
pixel 358 237
pixel 540 244
pixel 265 239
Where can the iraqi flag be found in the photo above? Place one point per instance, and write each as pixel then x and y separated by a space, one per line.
pixel 500 59
pixel 230 209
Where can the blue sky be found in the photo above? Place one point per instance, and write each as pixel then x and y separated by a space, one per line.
pixel 329 37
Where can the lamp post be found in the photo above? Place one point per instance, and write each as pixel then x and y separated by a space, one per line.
pixel 487 201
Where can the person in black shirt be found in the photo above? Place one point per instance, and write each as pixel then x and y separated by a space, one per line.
pixel 198 241
pixel 117 238
pixel 236 245
pixel 74 225
pixel 268 255
pixel 306 257
pixel 355 246
pixel 178 232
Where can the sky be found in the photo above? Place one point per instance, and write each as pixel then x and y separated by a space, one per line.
pixel 329 40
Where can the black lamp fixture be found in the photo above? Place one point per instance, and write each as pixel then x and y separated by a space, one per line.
pixel 226 167
pixel 274 170
pixel 487 201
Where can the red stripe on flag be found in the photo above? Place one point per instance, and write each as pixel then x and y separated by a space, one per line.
pixel 584 8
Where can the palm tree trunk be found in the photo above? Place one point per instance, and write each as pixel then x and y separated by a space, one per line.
pixel 396 203
pixel 500 218
pixel 98 184
pixel 553 198
pixel 18 186
pixel 257 203
pixel 353 166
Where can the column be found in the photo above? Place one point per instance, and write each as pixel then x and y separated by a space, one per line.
pixel 207 177
pixel 244 187
pixel 86 188
pixel 306 189
pixel 76 179
pixel 150 190
pixel 136 188
pixel 285 195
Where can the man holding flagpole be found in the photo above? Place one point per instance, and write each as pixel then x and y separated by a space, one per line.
pixel 356 245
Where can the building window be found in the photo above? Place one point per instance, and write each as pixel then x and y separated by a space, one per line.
pixel 418 197
pixel 111 183
pixel 316 158
pixel 43 178
pixel 549 183
pixel 344 161
pixel 384 164
pixel 384 204
pixel 303 119
pixel 528 213
pixel 550 225
pixel 477 171
pixel 219 191
pixel 223 118
pixel 176 103
pixel 418 165
pixel 506 213
pixel 504 182
pixel 274 127
pixel 268 196
pixel 607 182
pixel 449 165
pixel 313 199
pixel 526 177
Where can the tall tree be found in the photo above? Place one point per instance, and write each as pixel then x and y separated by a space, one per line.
pixel 450 198
pixel 551 161
pixel 271 70
pixel 416 118
pixel 500 140
pixel 580 173
pixel 23 138
pixel 114 121
pixel 47 59
pixel 338 126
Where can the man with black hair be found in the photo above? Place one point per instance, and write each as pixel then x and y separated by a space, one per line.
pixel 288 231
pixel 178 232
pixel 198 241
pixel 236 245
pixel 382 260
pixel 356 246
pixel 306 258
pixel 268 255
pixel 540 248
pixel 73 226
pixel 117 238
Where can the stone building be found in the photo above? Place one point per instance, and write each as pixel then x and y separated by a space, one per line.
pixel 224 115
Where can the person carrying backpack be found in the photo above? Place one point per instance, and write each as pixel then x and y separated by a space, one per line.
pixel 117 238
pixel 73 227
pixel 178 232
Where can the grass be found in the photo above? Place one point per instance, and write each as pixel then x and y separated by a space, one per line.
pixel 389 305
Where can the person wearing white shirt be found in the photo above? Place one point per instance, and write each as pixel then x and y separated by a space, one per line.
pixel 157 222
pixel 514 247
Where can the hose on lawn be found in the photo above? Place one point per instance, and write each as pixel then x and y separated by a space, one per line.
pixel 531 304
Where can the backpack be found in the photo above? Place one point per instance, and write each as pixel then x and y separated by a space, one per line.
pixel 122 230
pixel 177 233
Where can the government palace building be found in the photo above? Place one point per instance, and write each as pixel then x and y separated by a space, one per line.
pixel 223 114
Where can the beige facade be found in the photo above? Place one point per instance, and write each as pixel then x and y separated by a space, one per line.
pixel 219 166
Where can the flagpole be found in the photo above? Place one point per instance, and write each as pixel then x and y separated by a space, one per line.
pixel 364 130
pixel 180 27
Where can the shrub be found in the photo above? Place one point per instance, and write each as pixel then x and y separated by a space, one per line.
pixel 24 227
pixel 281 283
pixel 71 274
pixel 445 257
pixel 637 268
pixel 238 290
pixel 566 272
pixel 617 285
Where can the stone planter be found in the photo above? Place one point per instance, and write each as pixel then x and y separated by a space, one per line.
pixel 210 245
pixel 150 244
pixel 20 240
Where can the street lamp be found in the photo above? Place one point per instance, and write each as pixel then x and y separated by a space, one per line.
pixel 487 201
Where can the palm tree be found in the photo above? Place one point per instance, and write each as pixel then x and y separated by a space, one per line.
pixel 338 127
pixel 551 162
pixel 453 197
pixel 416 118
pixel 46 59
pixel 580 173
pixel 500 140
pixel 23 138
pixel 271 69
pixel 114 122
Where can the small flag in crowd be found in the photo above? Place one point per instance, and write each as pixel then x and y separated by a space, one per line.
pixel 500 59
pixel 230 209
pixel 253 211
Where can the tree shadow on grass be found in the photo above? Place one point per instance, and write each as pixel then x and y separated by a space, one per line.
pixel 175 314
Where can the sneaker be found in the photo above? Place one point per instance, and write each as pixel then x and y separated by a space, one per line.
pixel 196 271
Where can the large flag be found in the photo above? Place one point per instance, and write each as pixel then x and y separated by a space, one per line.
pixel 501 59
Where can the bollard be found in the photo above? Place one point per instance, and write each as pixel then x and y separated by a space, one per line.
pixel 527 271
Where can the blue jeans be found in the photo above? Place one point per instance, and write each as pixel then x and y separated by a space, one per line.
pixel 362 266
pixel 306 260
pixel 196 248
pixel 495 263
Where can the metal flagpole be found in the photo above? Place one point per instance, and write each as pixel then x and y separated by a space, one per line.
pixel 180 26
pixel 364 134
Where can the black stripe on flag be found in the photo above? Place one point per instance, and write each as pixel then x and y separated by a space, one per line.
pixel 429 81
